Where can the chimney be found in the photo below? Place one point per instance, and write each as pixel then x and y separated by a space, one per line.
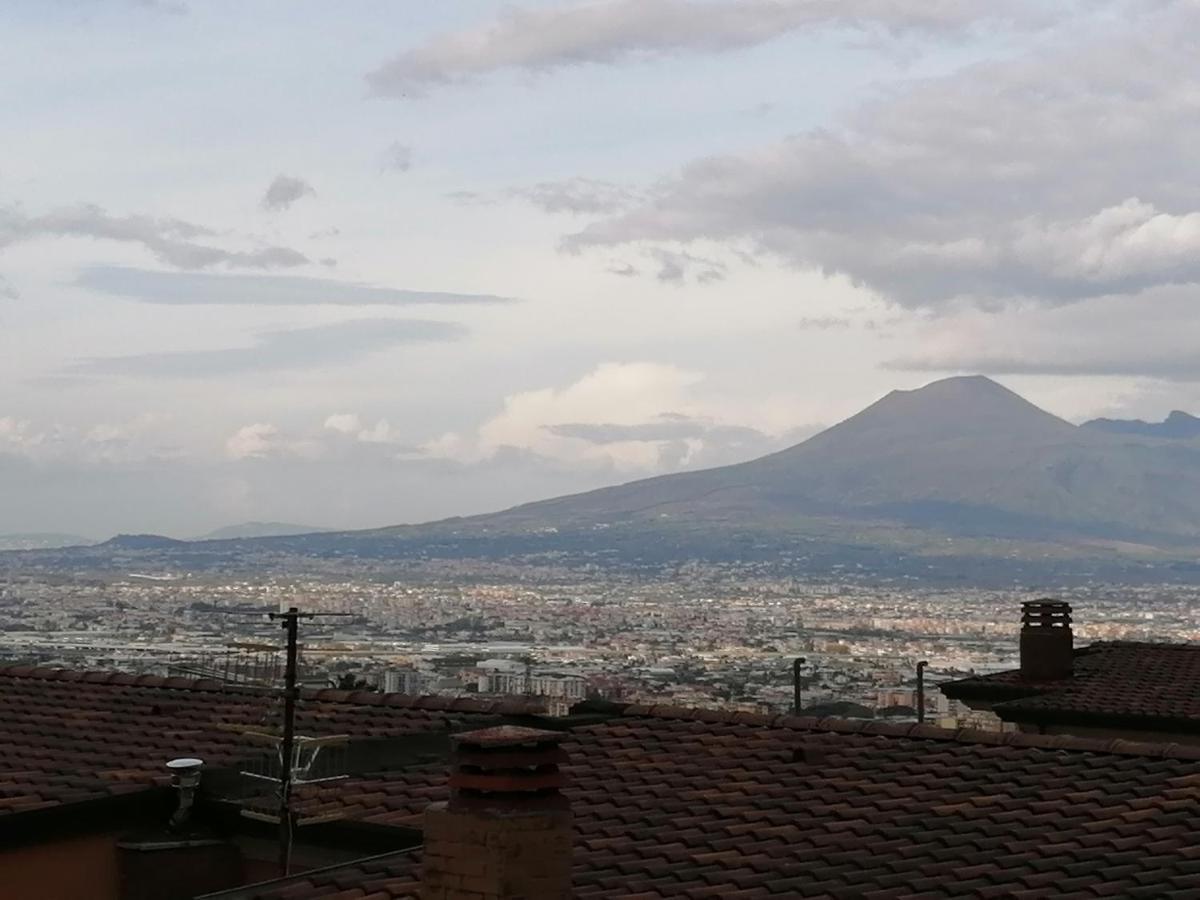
pixel 506 831
pixel 178 858
pixel 1047 652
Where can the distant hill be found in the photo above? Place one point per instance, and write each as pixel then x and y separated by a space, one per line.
pixel 42 541
pixel 1177 426
pixel 141 542
pixel 258 530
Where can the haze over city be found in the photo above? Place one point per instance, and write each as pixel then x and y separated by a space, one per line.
pixel 351 266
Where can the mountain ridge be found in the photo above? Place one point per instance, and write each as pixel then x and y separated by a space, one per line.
pixel 960 466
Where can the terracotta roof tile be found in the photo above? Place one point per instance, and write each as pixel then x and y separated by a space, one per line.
pixel 669 805
pixel 69 736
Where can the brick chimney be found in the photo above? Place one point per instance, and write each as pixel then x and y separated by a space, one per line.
pixel 1047 651
pixel 506 831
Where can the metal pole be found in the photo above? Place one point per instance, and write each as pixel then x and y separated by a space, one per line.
pixel 291 620
pixel 921 690
pixel 796 664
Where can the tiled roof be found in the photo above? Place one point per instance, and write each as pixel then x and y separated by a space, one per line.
pixel 68 736
pixel 1116 682
pixel 693 803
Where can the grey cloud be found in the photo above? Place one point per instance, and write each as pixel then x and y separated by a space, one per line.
pixel 1064 174
pixel 1150 334
pixel 540 40
pixel 397 157
pixel 189 288
pixel 284 191
pixel 577 196
pixel 7 291
pixel 625 270
pixel 171 241
pixel 293 349
pixel 664 428
pixel 674 266
pixel 824 323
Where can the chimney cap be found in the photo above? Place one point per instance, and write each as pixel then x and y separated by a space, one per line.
pixel 504 736
pixel 1045 613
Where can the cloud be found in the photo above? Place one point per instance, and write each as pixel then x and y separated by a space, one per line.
pixel 397 157
pixel 351 426
pixel 251 441
pixel 664 427
pixel 171 241
pixel 578 196
pixel 130 442
pixel 7 291
pixel 623 417
pixel 1150 334
pixel 613 31
pixel 824 323
pixel 1059 175
pixel 674 266
pixel 315 347
pixel 284 191
pixel 191 288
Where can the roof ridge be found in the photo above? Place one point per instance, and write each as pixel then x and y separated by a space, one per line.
pixel 917 731
pixel 1156 645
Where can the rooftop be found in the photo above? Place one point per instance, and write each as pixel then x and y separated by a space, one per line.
pixel 1115 683
pixel 689 803
pixel 68 736
pixel 677 802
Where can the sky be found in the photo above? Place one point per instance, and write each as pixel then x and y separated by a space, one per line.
pixel 352 265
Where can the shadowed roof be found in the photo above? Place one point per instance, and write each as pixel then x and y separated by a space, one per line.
pixel 68 736
pixel 1115 683
pixel 672 803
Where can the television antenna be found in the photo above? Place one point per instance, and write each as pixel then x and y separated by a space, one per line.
pixel 301 758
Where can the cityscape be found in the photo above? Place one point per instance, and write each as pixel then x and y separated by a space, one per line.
pixel 714 638
pixel 600 450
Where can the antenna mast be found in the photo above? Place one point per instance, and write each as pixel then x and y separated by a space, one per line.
pixel 291 622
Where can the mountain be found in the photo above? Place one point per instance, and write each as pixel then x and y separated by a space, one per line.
pixel 42 541
pixel 258 530
pixel 962 456
pixel 1177 426
pixel 962 469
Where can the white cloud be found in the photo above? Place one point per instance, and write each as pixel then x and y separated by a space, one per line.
pixel 350 425
pixel 255 441
pixel 344 423
pixel 540 40
pixel 630 417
